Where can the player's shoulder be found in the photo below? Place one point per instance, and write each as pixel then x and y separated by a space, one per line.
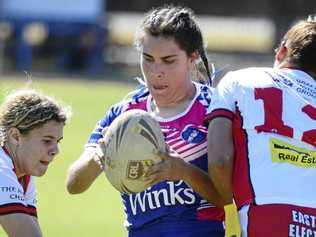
pixel 139 94
pixel 249 76
pixel 6 163
pixel 250 72
pixel 202 88
pixel 203 97
pixel 7 174
pixel 204 93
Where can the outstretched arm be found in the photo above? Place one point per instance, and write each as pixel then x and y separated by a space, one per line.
pixel 83 172
pixel 221 156
pixel 221 160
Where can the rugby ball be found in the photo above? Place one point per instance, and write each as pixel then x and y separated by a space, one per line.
pixel 130 143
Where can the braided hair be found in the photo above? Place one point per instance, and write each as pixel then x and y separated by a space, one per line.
pixel 178 23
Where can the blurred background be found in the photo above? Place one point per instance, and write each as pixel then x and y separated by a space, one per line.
pixel 94 38
pixel 81 51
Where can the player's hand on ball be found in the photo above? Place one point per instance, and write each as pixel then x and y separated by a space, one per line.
pixel 99 157
pixel 170 168
pixel 100 150
pixel 126 151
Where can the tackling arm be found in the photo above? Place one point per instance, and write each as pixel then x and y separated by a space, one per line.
pixel 221 156
pixel 221 160
pixel 83 171
pixel 20 225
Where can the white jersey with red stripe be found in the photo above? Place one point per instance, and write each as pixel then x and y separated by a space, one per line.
pixel 274 119
pixel 16 195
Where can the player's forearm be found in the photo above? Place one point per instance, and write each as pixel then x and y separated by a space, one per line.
pixel 201 183
pixel 82 173
pixel 221 156
pixel 221 175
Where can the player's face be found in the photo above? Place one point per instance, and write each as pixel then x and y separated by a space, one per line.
pixel 166 69
pixel 37 149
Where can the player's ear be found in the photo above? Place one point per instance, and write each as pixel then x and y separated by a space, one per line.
pixel 194 56
pixel 281 52
pixel 14 136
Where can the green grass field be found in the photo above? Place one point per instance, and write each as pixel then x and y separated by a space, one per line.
pixel 98 211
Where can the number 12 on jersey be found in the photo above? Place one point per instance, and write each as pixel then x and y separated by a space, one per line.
pixel 273 106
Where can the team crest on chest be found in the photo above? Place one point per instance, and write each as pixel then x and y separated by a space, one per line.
pixel 193 134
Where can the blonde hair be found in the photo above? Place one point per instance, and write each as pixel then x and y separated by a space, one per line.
pixel 26 109
pixel 300 41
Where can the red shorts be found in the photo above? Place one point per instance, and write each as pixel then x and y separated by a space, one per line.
pixel 278 220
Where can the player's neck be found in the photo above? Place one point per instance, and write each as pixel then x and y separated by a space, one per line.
pixel 295 67
pixel 175 106
pixel 168 112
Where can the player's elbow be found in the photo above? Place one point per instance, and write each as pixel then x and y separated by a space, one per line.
pixel 220 168
pixel 72 189
pixel 73 184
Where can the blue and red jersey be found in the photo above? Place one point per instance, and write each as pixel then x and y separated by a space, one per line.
pixel 186 134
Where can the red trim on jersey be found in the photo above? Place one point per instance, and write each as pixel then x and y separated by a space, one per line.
pixel 211 213
pixel 275 220
pixel 242 187
pixel 24 181
pixel 141 105
pixel 219 113
pixel 17 208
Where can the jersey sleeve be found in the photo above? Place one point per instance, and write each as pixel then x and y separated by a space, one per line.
pixel 109 117
pixel 13 199
pixel 223 103
pixel 206 95
pixel 133 98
